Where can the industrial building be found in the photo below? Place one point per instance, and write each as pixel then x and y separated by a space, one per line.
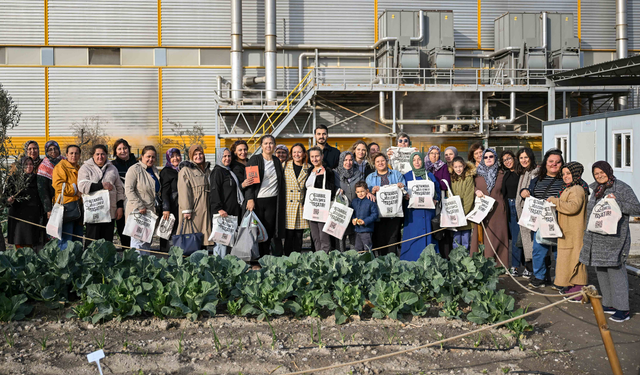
pixel 446 72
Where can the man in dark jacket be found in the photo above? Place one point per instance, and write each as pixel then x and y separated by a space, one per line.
pixel 330 155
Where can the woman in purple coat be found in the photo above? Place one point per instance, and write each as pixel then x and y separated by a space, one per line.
pixel 439 169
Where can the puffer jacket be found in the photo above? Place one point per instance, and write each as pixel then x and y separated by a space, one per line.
pixel 65 173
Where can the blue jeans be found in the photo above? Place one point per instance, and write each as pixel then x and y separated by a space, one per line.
pixel 538 258
pixel 462 238
pixel 514 229
pixel 72 227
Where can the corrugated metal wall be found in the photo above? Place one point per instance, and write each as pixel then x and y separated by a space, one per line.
pixel 492 9
pixel 21 22
pixel 26 87
pixel 126 98
pixel 105 22
pixel 633 19
pixel 599 24
pixel 195 23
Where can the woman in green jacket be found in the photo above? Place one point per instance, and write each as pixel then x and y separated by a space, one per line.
pixel 462 174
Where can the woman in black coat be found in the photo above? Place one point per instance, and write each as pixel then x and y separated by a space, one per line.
pixel 319 177
pixel 169 191
pixel 225 196
pixel 24 201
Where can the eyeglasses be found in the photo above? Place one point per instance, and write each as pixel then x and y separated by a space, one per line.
pixel 507 159
pixel 489 157
pixel 403 140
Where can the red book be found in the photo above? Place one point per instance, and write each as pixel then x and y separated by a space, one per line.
pixel 252 172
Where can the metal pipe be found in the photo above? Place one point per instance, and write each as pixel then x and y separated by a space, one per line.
pixel 326 46
pixel 544 30
pixel 219 85
pixel 622 47
pixel 328 54
pixel 250 81
pixel 236 49
pixel 593 88
pixel 489 55
pixel 420 36
pixel 270 52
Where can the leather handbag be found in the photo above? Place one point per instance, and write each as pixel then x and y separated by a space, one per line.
pixel 72 210
pixel 189 243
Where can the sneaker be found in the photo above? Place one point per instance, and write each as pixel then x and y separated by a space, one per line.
pixel 608 310
pixel 574 299
pixel 620 316
pixel 556 287
pixel 527 274
pixel 514 272
pixel 536 283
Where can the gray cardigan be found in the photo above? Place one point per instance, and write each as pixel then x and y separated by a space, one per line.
pixel 611 250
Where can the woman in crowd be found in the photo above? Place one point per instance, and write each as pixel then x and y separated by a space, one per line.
pixel 24 203
pixel 225 196
pixel 32 150
pixel 475 153
pixel 463 185
pixel 320 177
pixel 489 182
pixel 510 192
pixel 97 173
pixel 417 221
pixel 268 198
pixel 295 175
pixel 387 229
pixel 547 183
pixel 193 194
pixel 347 174
pixel 169 191
pixel 608 253
pixel 65 184
pixel 239 160
pixel 372 149
pixel 449 154
pixel 141 186
pixel 45 176
pixel 403 140
pixel 282 153
pixel 526 168
pixel 123 159
pixel 361 158
pixel 439 169
pixel 571 204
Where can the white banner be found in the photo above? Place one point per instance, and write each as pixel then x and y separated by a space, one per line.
pixel 482 207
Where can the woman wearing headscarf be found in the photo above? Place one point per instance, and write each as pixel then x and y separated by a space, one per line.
pixel 123 159
pixel 347 175
pixel 225 195
pixel 95 174
pixel 449 154
pixel 608 253
pixel 169 191
pixel 65 183
pixel 32 150
pixel 489 180
pixel 417 221
pixel 193 194
pixel 527 169
pixel 440 170
pixel 282 153
pixel 141 186
pixel 24 203
pixel 571 204
pixel 295 175
pixel 45 176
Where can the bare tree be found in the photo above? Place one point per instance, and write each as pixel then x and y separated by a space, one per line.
pixel 184 137
pixel 90 132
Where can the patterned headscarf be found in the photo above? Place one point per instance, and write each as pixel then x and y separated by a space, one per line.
pixel 490 174
pixel 45 169
pixel 27 144
pixel 219 156
pixel 433 167
pixel 606 168
pixel 418 172
pixel 348 174
pixel 168 156
pixel 576 170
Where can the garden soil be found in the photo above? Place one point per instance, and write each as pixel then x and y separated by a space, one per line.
pixel 564 340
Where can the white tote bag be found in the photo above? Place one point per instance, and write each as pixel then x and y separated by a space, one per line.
pixel 97 207
pixel 605 217
pixel 56 219
pixel 389 199
pixel 223 229
pixel 165 227
pixel 531 213
pixel 339 218
pixel 317 203
pixel 452 213
pixel 140 226
pixel 421 193
pixel 482 207
pixel 549 227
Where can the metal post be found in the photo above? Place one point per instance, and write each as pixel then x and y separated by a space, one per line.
pixel 596 303
pixel 236 49
pixel 270 53
pixel 393 111
pixel 217 128
pixel 622 40
pixel 481 130
pixel 551 104
pixel 564 104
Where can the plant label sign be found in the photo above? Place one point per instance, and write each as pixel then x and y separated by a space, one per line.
pixel 96 357
pixel 317 203
pixel 531 213
pixel 421 193
pixel 338 221
pixel 399 159
pixel 166 227
pixel 140 226
pixel 389 199
pixel 223 229
pixel 605 217
pixel 481 209
pixel 97 207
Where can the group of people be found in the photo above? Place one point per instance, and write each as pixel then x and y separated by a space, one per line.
pixel 194 190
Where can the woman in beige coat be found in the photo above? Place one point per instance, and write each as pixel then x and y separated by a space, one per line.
pixel 571 204
pixel 193 194
pixel 295 175
pixel 142 184
pixel 527 169
pixel 97 174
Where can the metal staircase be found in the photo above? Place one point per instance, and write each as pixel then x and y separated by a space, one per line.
pixel 289 107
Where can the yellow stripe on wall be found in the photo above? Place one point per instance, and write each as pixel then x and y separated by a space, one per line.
pixel 479 24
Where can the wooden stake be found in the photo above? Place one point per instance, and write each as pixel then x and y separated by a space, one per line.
pixel 596 303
